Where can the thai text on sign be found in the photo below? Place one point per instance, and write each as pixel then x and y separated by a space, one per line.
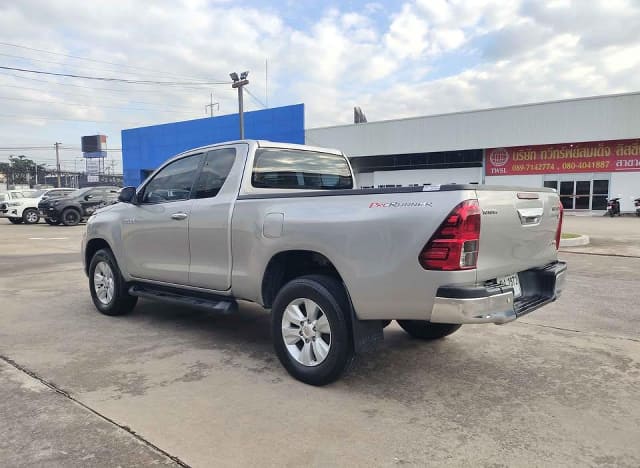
pixel 599 156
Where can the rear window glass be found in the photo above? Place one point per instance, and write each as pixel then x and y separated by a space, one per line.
pixel 295 169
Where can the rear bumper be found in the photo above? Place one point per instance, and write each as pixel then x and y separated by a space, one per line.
pixel 495 303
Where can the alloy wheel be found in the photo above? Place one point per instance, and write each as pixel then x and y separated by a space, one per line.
pixel 306 332
pixel 103 282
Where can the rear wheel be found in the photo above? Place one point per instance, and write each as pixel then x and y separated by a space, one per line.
pixel 30 216
pixel 52 221
pixel 426 330
pixel 108 288
pixel 15 220
pixel 310 329
pixel 70 217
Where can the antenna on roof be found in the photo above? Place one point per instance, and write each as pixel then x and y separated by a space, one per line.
pixel 358 115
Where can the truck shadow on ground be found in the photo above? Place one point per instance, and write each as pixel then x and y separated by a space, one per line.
pixel 478 367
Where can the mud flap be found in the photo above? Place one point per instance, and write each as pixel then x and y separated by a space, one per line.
pixel 367 334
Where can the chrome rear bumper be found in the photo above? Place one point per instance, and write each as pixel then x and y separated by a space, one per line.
pixel 495 303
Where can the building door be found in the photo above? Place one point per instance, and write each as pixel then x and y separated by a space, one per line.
pixel 581 194
pixel 566 194
pixel 582 197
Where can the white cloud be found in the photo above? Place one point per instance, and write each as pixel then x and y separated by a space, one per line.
pixel 450 55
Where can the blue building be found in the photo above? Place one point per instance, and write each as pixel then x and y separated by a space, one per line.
pixel 146 148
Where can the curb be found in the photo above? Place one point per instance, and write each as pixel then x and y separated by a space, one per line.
pixel 575 242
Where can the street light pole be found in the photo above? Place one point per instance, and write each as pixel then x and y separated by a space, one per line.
pixel 58 162
pixel 239 82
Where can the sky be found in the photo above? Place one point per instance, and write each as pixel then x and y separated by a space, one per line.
pixel 392 58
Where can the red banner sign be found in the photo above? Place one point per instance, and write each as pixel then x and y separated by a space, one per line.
pixel 596 156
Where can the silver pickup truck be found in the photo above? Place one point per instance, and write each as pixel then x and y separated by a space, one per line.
pixel 286 227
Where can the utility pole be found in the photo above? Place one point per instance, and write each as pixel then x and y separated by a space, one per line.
pixel 239 82
pixel 211 104
pixel 57 145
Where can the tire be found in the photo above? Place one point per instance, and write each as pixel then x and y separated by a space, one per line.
pixel 320 350
pixel 113 298
pixel 52 221
pixel 70 217
pixel 15 220
pixel 30 216
pixel 425 330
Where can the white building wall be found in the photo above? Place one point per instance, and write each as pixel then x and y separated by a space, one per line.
pixel 625 185
pixel 588 119
pixel 364 179
pixel 428 176
pixel 519 180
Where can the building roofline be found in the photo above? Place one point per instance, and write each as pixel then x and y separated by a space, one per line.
pixel 513 106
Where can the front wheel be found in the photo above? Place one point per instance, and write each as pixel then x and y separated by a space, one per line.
pixel 70 217
pixel 52 221
pixel 30 216
pixel 108 289
pixel 310 329
pixel 426 330
pixel 15 220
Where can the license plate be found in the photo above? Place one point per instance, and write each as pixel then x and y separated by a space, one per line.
pixel 512 281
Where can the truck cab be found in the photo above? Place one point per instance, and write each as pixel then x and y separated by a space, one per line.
pixel 18 208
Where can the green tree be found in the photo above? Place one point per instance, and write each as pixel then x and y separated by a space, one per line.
pixel 22 170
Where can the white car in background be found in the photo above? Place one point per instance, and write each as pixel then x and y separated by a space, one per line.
pixel 21 206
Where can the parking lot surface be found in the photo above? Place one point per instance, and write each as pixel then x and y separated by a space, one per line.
pixel 169 385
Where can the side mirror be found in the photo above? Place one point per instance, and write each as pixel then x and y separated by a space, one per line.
pixel 128 195
pixel 88 197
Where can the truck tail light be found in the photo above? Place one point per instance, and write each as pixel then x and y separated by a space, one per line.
pixel 455 244
pixel 559 230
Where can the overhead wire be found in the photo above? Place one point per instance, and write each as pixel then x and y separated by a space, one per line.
pixel 90 105
pixel 94 60
pixel 40 117
pixel 119 80
pixel 256 99
pixel 93 96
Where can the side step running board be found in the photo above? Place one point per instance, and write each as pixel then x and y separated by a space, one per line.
pixel 211 303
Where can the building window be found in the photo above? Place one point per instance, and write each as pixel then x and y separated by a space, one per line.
pixel 433 160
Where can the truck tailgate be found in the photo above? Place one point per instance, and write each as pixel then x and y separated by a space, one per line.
pixel 517 232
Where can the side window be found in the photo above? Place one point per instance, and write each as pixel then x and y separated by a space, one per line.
pixel 173 182
pixel 92 194
pixel 295 169
pixel 215 170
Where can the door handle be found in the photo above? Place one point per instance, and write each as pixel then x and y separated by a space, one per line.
pixel 179 216
pixel 530 215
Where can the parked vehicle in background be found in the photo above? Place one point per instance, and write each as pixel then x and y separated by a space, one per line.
pixel 18 208
pixel 80 204
pixel 613 207
pixel 46 194
pixel 50 193
pixel 284 226
pixel 636 202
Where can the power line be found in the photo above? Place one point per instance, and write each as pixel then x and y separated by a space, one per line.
pixel 91 96
pixel 95 60
pixel 256 99
pixel 72 66
pixel 90 105
pixel 40 117
pixel 80 86
pixel 119 80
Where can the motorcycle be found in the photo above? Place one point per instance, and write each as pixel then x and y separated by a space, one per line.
pixel 613 207
pixel 637 204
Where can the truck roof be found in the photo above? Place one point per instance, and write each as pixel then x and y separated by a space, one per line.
pixel 267 144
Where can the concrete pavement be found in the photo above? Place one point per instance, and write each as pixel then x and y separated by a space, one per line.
pixel 557 388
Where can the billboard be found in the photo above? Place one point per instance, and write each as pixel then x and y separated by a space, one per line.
pixel 594 156
pixel 93 143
